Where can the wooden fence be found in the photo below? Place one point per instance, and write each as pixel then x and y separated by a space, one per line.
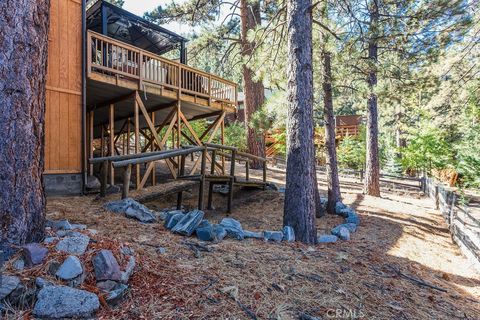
pixel 463 222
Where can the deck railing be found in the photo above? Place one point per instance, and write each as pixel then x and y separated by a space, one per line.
pixel 111 56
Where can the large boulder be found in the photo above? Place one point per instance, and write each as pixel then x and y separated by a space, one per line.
pixel 288 234
pixel 187 225
pixel 276 236
pixel 339 207
pixel 172 220
pixel 59 225
pixel 73 245
pixel 70 269
pixel 7 285
pixel 352 227
pixel 131 209
pixel 253 234
pixel 205 232
pixel 219 232
pixel 233 228
pixel 106 266
pixel 59 302
pixel 34 253
pixel 353 217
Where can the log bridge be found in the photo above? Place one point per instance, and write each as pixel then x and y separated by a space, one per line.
pixel 211 177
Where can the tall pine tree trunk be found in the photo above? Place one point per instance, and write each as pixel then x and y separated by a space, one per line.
pixel 23 59
pixel 372 170
pixel 299 207
pixel 254 90
pixel 332 170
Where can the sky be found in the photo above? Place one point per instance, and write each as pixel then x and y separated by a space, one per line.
pixel 139 7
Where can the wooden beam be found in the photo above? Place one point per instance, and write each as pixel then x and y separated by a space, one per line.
pixel 207 115
pixel 113 101
pixel 154 109
pixel 111 117
pixel 90 139
pixel 137 146
pixel 154 178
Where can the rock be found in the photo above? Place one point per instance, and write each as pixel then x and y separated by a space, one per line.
pixel 56 302
pixel 70 269
pixel 69 233
pixel 78 226
pixel 341 232
pixel 92 231
pixel 339 206
pixel 353 218
pixel 281 189
pixel 50 240
pixel 346 212
pixel 73 245
pixel 205 232
pixel 117 295
pixel 125 275
pixel 233 228
pixel 327 238
pixel 271 186
pixel 106 266
pixel 288 234
pixel 19 264
pixel 352 227
pixel 112 189
pixel 253 234
pixel 172 220
pixel 107 285
pixel 7 285
pixel 40 282
pixel 161 250
pixel 59 225
pixel 53 267
pixel 219 232
pixel 276 236
pixel 92 183
pixel 22 296
pixel 131 209
pixel 34 253
pixel 127 251
pixel 221 188
pixel 187 225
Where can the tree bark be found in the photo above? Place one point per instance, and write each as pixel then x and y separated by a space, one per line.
pixel 372 170
pixel 24 28
pixel 334 194
pixel 299 206
pixel 254 90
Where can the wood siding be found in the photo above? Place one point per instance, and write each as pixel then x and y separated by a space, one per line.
pixel 63 119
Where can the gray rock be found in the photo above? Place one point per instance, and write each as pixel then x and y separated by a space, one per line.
pixel 34 253
pixel 56 302
pixel 352 227
pixel 233 228
pixel 187 225
pixel 68 233
pixel 107 285
pixel 253 234
pixel 281 189
pixel 161 250
pixel 131 209
pixel 276 236
pixel 73 245
pixel 112 189
pixel 346 212
pixel 40 282
pixel 106 266
pixel 7 285
pixel 117 295
pixel 59 225
pixel 78 226
pixel 19 264
pixel 205 231
pixel 353 218
pixel 341 232
pixel 288 234
pixel 125 276
pixel 127 251
pixel 219 232
pixel 92 183
pixel 70 268
pixel 50 240
pixel 221 188
pixel 327 238
pixel 93 231
pixel 172 220
pixel 339 206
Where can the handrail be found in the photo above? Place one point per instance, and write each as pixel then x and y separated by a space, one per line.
pixel 167 154
pixel 110 55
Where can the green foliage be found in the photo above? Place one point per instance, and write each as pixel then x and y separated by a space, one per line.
pixel 118 3
pixel 262 120
pixel 351 153
pixel 235 136
pixel 281 145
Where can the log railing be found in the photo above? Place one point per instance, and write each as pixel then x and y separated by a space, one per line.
pixel 114 57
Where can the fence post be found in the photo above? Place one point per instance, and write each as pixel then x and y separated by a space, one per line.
pixel 361 175
pixel 437 200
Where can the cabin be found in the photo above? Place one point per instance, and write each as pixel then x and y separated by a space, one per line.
pixel 348 125
pixel 118 84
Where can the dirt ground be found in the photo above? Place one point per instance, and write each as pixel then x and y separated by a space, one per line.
pixel 401 245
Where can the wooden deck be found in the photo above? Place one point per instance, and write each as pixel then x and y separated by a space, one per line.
pixel 115 69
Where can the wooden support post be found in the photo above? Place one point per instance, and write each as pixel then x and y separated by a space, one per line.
pixel 181 173
pixel 126 181
pixel 112 140
pixel 104 178
pixel 201 189
pixel 90 139
pixel 247 170
pixel 231 182
pixel 152 148
pixel 137 146
pixel 264 175
pixel 211 184
pixel 129 133
pixel 222 128
pixel 179 126
pixel 102 141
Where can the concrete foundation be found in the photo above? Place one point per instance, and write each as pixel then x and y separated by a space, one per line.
pixel 63 184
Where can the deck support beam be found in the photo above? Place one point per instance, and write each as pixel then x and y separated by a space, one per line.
pixel 112 141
